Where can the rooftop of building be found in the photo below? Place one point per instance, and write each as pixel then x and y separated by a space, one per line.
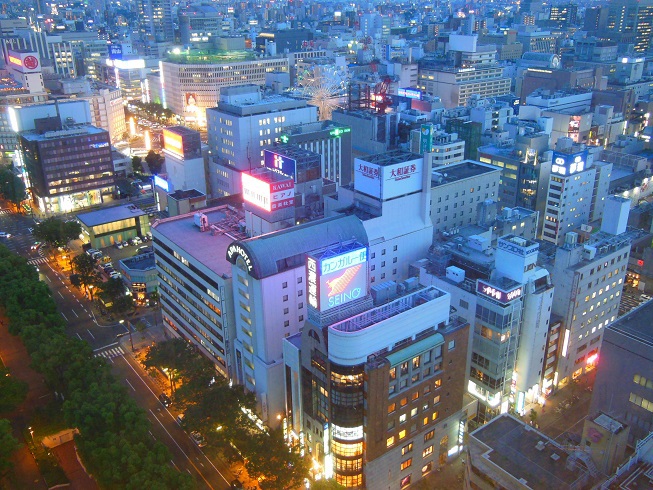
pixel 140 262
pixel 546 94
pixel 637 472
pixel 275 252
pixel 70 132
pixel 186 194
pixel 608 423
pixel 455 172
pixel 109 215
pixel 391 157
pixel 269 103
pixel 636 324
pixel 9 86
pixel 182 130
pixel 514 214
pixel 314 127
pixel 507 151
pixel 207 57
pixel 208 247
pixel 507 449
pixel 302 156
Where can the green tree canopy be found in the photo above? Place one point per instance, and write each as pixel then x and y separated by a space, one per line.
pixel 12 187
pixel 12 391
pixel 137 164
pixel 154 162
pixel 56 232
pixel 85 272
pixel 8 445
pixel 113 293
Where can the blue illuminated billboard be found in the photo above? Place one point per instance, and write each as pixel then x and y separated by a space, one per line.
pixel 161 183
pixel 568 163
pixel 280 163
pixel 334 281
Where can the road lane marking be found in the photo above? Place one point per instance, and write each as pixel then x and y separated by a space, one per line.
pixel 80 337
pixel 60 293
pixel 63 315
pixel 173 464
pixel 130 385
pixel 75 313
pixel 89 332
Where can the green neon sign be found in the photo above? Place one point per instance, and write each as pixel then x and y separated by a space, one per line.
pixel 337 132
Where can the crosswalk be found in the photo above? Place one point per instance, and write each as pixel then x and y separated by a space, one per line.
pixel 4 211
pixel 40 260
pixel 111 353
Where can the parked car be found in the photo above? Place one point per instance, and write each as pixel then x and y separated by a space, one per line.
pixel 136 241
pixel 4 234
pixel 118 245
pixel 180 419
pixel 91 251
pixel 114 275
pixel 198 438
pixel 125 244
pixel 97 255
pixel 165 400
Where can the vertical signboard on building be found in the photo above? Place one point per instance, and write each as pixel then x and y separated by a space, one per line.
pixel 280 163
pixel 270 196
pixel 425 139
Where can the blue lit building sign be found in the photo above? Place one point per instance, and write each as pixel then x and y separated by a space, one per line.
pixel 410 93
pixel 161 183
pixel 569 163
pixel 280 163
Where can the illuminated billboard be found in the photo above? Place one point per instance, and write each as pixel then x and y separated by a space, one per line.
pixel 115 51
pixel 410 93
pixel 569 163
pixel 334 280
pixel 269 196
pixel 388 181
pixel 161 183
pixel 280 163
pixel 501 295
pixel 173 142
pixel 23 61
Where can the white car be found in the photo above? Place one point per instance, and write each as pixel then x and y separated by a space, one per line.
pixel 4 234
pixel 198 439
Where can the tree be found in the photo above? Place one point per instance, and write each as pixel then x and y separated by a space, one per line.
pixel 323 484
pixel 533 416
pixel 8 445
pixel 113 294
pixel 12 187
pixel 13 391
pixel 154 162
pixel 56 232
pixel 137 164
pixel 87 275
pixel 276 465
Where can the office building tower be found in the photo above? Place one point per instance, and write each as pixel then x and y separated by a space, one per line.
pixel 375 382
pixel 69 167
pixel 331 140
pixel 624 378
pixel 192 83
pixel 458 189
pixel 185 162
pixel 439 147
pixel 589 279
pixel 242 125
pixel 566 15
pixel 576 193
pixel 155 19
pixel 631 23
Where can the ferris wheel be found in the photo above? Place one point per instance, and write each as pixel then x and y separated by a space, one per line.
pixel 324 86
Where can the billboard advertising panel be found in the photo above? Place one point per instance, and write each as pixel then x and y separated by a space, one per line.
pixel 388 181
pixel 336 280
pixel 425 139
pixel 24 62
pixel 115 51
pixel 173 142
pixel 280 163
pixel 270 196
pixel 498 294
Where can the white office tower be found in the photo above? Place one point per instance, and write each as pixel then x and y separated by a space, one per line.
pixel 391 195
pixel 243 124
pixel 516 259
pixel 24 66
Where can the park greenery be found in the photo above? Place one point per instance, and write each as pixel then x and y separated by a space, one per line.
pixel 8 445
pixel 113 441
pixel 224 415
pixel 154 162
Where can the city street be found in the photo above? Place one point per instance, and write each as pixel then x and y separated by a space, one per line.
pixel 109 339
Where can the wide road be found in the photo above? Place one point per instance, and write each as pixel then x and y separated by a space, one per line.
pixel 81 322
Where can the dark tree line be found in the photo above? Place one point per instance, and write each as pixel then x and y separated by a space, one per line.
pixel 114 442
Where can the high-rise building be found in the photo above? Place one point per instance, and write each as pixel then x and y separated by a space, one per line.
pixel 68 168
pixel 631 23
pixel 564 14
pixel 192 83
pixel 155 17
pixel 241 126
pixel 624 377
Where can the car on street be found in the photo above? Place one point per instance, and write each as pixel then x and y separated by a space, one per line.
pixel 36 246
pixel 198 438
pixel 165 400
pixel 180 419
pixel 4 234
pixel 114 275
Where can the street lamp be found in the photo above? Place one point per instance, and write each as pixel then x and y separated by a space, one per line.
pixel 129 329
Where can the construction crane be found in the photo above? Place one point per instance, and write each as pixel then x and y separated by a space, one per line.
pixel 381 98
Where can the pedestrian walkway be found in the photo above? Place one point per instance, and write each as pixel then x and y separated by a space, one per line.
pixel 40 260
pixel 111 353
pixel 4 211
